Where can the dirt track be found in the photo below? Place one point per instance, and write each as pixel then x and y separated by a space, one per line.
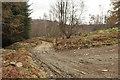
pixel 84 63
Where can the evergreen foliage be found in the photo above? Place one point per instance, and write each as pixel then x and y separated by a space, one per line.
pixel 15 21
pixel 116 11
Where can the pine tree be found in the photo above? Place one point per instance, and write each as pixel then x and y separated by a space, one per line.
pixel 116 12
pixel 15 21
pixel 27 20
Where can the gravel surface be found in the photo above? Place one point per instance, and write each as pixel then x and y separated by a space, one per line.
pixel 99 62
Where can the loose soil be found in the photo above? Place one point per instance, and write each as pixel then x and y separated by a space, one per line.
pixel 99 62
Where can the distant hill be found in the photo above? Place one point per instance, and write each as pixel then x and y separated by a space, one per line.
pixel 44 27
pixel 51 28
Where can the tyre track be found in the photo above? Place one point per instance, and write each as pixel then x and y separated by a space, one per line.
pixel 60 65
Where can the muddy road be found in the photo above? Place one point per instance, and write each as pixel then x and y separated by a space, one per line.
pixel 83 63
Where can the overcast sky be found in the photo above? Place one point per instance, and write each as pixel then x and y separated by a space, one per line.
pixel 42 6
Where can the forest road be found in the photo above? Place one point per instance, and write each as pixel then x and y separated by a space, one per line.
pixel 99 62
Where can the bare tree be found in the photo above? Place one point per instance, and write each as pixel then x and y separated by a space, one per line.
pixel 45 17
pixel 67 14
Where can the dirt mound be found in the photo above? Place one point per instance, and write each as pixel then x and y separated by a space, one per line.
pixel 27 44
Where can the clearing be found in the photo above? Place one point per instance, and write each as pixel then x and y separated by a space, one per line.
pixel 100 62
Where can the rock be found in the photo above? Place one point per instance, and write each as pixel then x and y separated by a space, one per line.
pixel 12 63
pixel 65 45
pixel 83 72
pixel 105 70
pixel 80 58
pixel 45 52
pixel 19 64
pixel 74 52
pixel 51 75
pixel 86 54
pixel 4 61
pixel 79 48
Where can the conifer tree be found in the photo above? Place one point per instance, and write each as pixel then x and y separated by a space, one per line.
pixel 15 21
pixel 117 11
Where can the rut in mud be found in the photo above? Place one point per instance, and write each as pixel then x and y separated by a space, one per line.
pixel 84 63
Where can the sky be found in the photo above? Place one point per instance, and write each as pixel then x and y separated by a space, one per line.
pixel 42 6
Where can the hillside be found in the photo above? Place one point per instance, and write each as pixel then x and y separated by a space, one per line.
pixel 51 28
pixel 44 28
pixel 93 39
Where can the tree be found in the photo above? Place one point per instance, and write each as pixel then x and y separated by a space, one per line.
pixel 27 20
pixel 116 11
pixel 66 12
pixel 45 17
pixel 15 21
pixel 114 18
pixel 111 20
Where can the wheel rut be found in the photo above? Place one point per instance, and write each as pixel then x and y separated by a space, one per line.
pixel 59 65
